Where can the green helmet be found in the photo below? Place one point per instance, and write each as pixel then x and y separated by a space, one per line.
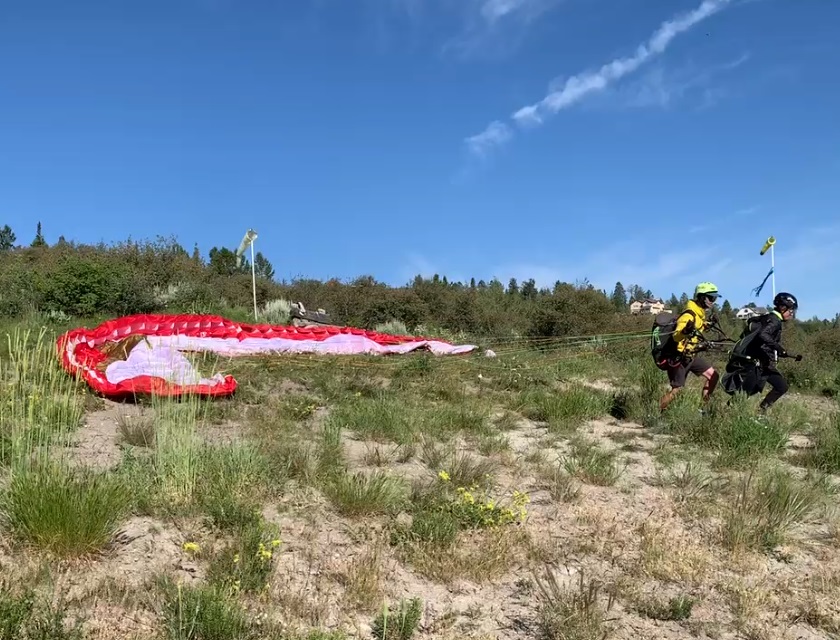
pixel 706 288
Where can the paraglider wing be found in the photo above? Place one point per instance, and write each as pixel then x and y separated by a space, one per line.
pixel 144 354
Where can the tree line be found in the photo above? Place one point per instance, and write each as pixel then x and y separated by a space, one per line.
pixel 87 280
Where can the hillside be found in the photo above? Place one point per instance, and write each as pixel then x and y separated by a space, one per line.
pixel 535 494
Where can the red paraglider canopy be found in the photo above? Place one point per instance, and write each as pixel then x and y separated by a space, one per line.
pixel 143 354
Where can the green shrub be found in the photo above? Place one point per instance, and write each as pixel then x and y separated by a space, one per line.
pixel 86 286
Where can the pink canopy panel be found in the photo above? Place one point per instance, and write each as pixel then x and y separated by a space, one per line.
pixel 144 354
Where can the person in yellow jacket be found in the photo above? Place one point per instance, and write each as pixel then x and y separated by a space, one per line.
pixel 687 338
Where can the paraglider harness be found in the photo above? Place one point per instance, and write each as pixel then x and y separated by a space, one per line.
pixel 663 347
pixel 742 367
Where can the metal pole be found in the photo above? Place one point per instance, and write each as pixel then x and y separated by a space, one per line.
pixel 254 280
pixel 773 276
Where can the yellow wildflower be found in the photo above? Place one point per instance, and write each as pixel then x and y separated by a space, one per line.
pixel 443 475
pixel 190 547
pixel 275 543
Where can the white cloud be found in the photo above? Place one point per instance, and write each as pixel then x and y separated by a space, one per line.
pixel 492 10
pixel 494 28
pixel 585 83
pixel 496 134
pixel 661 88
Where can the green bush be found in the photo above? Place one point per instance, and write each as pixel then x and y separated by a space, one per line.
pixel 86 286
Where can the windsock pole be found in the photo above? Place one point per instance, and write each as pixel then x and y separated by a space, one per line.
pixel 254 281
pixel 771 244
pixel 248 241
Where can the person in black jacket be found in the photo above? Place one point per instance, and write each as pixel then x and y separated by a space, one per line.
pixel 764 350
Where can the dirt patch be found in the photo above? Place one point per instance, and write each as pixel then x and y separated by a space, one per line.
pixel 97 442
pixel 225 433
pixel 142 549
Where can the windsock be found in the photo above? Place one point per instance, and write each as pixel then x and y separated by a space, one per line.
pixel 770 242
pixel 249 237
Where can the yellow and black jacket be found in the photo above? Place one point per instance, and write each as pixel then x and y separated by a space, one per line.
pixel 692 316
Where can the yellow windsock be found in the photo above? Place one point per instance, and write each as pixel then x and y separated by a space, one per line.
pixel 770 242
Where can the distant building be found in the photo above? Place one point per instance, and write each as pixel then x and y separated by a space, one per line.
pixel 745 313
pixel 650 306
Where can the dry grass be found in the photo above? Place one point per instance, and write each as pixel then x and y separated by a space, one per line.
pixel 355 465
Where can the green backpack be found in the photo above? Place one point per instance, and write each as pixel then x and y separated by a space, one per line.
pixel 663 348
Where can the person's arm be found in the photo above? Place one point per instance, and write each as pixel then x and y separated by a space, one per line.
pixel 769 342
pixel 685 326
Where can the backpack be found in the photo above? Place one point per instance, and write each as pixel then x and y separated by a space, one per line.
pixel 738 357
pixel 742 367
pixel 662 346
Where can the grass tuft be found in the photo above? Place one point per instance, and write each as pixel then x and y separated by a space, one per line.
pixel 764 510
pixel 366 494
pixel 137 431
pixel 380 418
pixel 246 565
pixel 199 612
pixel 565 410
pixel 567 613
pixel 825 454
pixel 68 511
pixel 398 623
pixel 677 608
pixel 593 464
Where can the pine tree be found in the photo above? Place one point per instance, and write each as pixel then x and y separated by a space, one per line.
pixel 7 238
pixel 529 289
pixel 39 238
pixel 262 267
pixel 619 297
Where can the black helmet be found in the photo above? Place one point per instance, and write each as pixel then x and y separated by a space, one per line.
pixel 786 300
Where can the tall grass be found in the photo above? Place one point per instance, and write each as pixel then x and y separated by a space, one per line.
pixel 177 450
pixel 50 503
pixel 39 402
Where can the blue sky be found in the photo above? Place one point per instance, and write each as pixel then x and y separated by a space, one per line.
pixel 657 142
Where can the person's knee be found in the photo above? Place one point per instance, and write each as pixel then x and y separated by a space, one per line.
pixel 711 374
pixel 781 385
